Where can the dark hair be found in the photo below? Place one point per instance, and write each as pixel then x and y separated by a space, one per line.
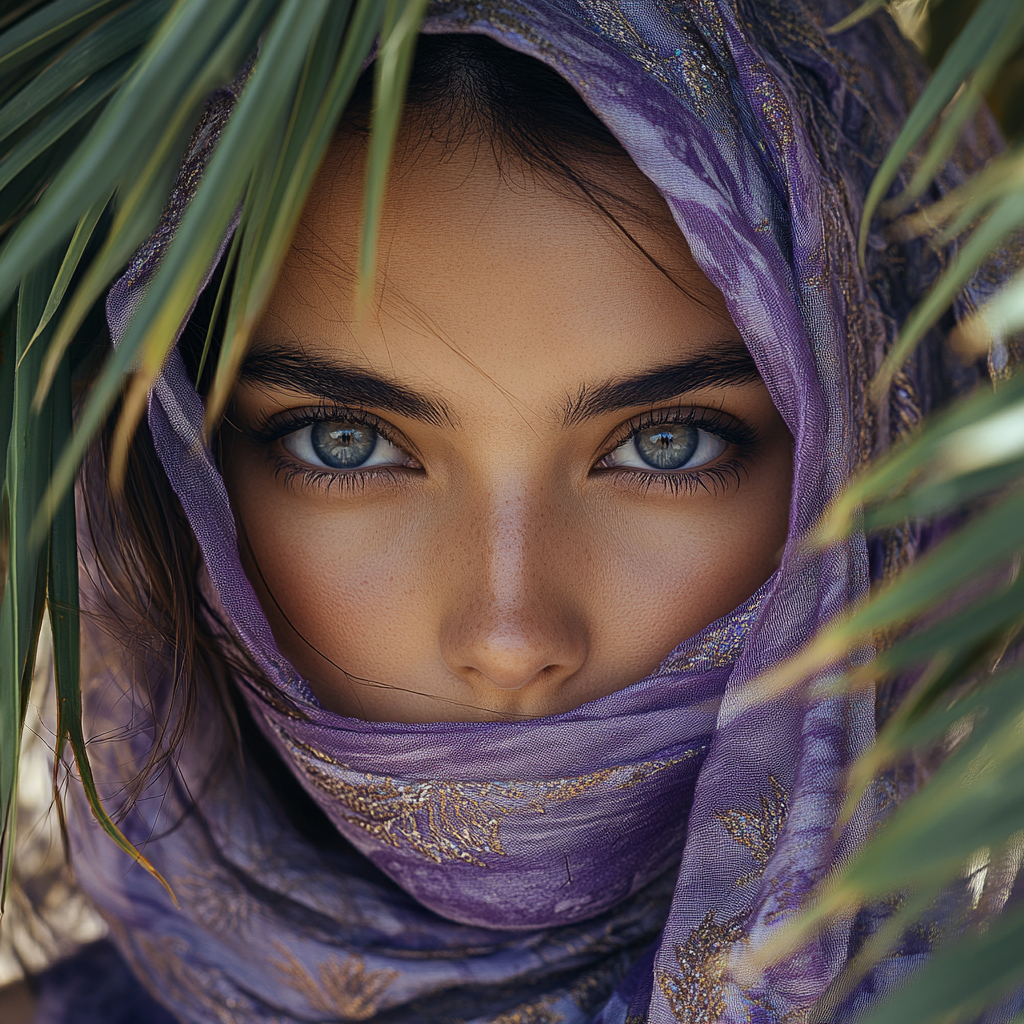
pixel 469 88
pixel 462 89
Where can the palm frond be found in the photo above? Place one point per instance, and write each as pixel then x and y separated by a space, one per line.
pixel 398 38
pixel 42 30
pixel 97 101
pixel 992 25
pixel 21 610
pixel 960 609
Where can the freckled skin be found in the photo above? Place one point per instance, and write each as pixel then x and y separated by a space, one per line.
pixel 506 575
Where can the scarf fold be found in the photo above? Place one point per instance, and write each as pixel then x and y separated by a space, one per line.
pixel 473 882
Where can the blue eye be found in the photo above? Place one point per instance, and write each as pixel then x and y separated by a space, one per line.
pixel 343 444
pixel 667 447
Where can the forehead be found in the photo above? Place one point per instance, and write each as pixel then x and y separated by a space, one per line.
pixel 488 274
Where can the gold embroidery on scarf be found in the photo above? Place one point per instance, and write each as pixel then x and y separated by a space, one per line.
pixel 719 646
pixel 345 987
pixel 696 995
pixel 642 772
pixel 773 104
pixel 692 62
pixel 758 832
pixel 819 264
pixel 445 819
pixel 540 1012
pixel 593 989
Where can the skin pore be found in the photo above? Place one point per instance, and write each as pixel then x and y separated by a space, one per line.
pixel 537 465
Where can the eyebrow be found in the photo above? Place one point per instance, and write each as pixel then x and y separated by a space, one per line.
pixel 278 367
pixel 716 369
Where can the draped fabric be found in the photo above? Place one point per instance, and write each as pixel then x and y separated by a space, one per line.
pixel 467 876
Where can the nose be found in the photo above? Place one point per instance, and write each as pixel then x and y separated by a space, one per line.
pixel 510 625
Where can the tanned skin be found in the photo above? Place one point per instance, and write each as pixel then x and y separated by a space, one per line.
pixel 506 554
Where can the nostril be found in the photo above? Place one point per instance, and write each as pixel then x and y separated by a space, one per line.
pixel 513 661
pixel 507 674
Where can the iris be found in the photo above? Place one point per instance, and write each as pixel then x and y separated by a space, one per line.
pixel 667 446
pixel 343 445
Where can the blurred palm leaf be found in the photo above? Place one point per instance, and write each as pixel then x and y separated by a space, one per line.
pixel 965 599
pixel 97 101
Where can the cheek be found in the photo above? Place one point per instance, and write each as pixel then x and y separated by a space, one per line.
pixel 337 586
pixel 668 568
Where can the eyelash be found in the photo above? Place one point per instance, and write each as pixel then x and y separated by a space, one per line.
pixel 711 479
pixel 351 481
pixel 714 478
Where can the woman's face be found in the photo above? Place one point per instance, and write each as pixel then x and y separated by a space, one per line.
pixel 531 471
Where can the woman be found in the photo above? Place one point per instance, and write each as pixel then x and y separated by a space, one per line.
pixel 429 701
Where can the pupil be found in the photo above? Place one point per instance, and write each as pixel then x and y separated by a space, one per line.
pixel 667 447
pixel 343 445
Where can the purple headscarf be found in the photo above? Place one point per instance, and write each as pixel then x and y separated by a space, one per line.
pixel 618 862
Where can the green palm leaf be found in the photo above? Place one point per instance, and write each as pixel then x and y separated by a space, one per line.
pixel 992 26
pixel 398 37
pixel 97 100
pixel 965 823
pixel 113 38
pixel 21 608
pixel 47 28
pixel 79 104
pixel 960 980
